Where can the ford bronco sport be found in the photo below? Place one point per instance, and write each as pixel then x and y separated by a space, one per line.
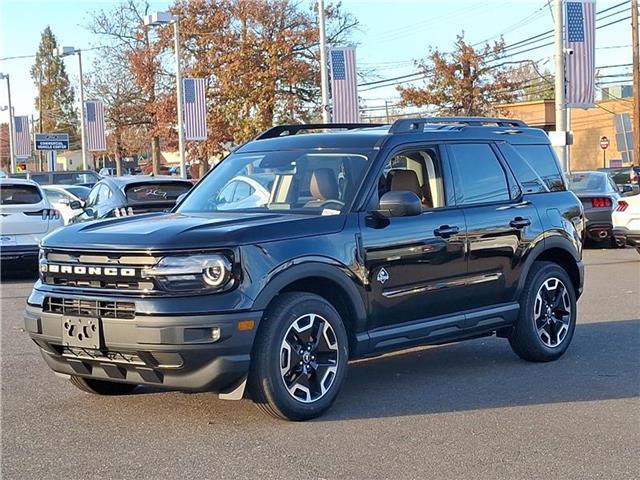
pixel 369 238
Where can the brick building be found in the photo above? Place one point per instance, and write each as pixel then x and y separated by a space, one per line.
pixel 587 125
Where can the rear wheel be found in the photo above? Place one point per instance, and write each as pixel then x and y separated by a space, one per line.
pixel 101 387
pixel 547 317
pixel 300 357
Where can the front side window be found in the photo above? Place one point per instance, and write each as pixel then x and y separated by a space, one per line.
pixel 295 181
pixel 481 178
pixel 418 171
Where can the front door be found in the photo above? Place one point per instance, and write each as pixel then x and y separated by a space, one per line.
pixel 415 265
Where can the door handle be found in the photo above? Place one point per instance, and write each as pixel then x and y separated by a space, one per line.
pixel 520 222
pixel 446 231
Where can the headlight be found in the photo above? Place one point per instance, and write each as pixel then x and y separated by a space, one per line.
pixel 192 273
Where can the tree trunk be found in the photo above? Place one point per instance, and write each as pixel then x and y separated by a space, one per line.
pixel 118 155
pixel 155 155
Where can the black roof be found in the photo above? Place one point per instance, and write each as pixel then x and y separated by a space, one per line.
pixel 369 136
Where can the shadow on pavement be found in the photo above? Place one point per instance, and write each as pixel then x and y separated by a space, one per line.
pixel 602 363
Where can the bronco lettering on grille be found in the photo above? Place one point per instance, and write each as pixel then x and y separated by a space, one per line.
pixel 83 270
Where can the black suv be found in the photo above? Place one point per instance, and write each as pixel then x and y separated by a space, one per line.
pixel 362 239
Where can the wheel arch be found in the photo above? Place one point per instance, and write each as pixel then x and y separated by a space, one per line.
pixel 559 251
pixel 328 281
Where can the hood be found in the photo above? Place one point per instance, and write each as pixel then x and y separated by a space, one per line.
pixel 176 231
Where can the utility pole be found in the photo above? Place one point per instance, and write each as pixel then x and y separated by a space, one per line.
pixel 324 75
pixel 12 153
pixel 176 38
pixel 83 138
pixel 561 110
pixel 636 82
pixel 40 117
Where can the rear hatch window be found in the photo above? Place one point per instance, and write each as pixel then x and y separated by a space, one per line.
pixel 19 195
pixel 161 192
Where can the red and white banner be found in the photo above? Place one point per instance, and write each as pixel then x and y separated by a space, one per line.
pixel 95 126
pixel 22 136
pixel 344 85
pixel 195 109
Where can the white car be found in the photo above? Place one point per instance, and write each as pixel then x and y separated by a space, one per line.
pixel 25 217
pixel 626 221
pixel 245 192
pixel 67 199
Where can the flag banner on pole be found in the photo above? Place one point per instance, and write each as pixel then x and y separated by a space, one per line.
pixel 344 85
pixel 23 137
pixel 580 38
pixel 94 125
pixel 195 109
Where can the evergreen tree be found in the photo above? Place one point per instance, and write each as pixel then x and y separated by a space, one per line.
pixel 59 112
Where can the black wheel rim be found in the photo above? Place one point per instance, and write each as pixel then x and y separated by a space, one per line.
pixel 309 358
pixel 552 312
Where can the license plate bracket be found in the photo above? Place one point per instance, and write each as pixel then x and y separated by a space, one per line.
pixel 81 332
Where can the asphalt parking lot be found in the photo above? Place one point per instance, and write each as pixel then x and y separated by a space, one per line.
pixel 468 410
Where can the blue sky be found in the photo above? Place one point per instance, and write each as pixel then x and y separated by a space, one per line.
pixel 393 33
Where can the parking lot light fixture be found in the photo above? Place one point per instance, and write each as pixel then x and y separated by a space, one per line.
pixel 165 18
pixel 65 52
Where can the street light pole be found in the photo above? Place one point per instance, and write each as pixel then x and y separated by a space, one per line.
pixel 12 153
pixel 324 75
pixel 165 18
pixel 561 110
pixel 176 35
pixel 63 52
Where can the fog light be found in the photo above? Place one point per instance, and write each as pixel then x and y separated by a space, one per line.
pixel 215 334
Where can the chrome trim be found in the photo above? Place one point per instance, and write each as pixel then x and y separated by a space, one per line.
pixel 401 292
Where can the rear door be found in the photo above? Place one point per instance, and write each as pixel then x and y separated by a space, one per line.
pixel 21 211
pixel 501 223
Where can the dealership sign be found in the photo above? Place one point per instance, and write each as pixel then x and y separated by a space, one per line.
pixel 52 141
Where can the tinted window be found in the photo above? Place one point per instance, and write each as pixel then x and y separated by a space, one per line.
pixel 527 177
pixel 588 182
pixel 481 177
pixel 19 195
pixel 104 194
pixel 543 162
pixel 156 192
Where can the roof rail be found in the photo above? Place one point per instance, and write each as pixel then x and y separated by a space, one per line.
pixel 285 130
pixel 405 125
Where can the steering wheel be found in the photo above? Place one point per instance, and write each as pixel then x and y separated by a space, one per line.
pixel 338 203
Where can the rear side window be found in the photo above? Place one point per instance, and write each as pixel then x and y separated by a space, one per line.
pixel 19 195
pixel 480 175
pixel 541 159
pixel 155 192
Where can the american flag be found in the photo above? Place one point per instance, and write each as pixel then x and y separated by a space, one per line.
pixel 195 109
pixel 344 85
pixel 580 66
pixel 23 138
pixel 94 126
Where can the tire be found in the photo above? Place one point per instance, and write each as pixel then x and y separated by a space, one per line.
pixel 101 387
pixel 283 367
pixel 541 334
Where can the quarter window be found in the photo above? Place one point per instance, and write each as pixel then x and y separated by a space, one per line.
pixel 480 175
pixel 542 160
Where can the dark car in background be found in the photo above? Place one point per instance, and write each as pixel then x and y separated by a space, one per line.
pixel 86 178
pixel 131 195
pixel 627 178
pixel 599 195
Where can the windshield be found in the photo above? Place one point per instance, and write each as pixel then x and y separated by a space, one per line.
pixel 587 181
pixel 286 181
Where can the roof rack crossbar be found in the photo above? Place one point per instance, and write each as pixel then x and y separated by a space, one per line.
pixel 405 125
pixel 285 130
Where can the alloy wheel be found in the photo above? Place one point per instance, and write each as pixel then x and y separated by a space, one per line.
pixel 552 312
pixel 309 358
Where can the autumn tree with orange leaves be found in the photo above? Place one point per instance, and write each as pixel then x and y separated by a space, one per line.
pixel 465 81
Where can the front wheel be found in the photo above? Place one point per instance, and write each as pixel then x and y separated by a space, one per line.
pixel 300 357
pixel 547 317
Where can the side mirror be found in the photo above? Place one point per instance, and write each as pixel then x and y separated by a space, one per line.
pixel 75 205
pixel 400 204
pixel 90 213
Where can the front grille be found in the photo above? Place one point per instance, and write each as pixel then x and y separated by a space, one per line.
pixel 87 270
pixel 89 308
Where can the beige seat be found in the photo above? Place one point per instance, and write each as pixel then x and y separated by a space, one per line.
pixel 323 187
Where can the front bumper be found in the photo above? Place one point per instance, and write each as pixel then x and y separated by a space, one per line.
pixel 175 352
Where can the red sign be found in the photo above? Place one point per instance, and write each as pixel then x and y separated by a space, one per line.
pixel 604 142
